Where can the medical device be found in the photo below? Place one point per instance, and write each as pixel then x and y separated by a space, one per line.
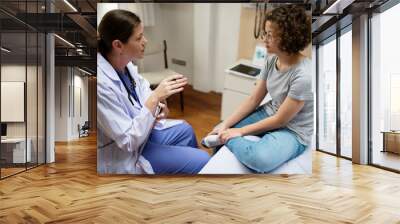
pixel 243 69
pixel 260 55
pixel 250 68
pixel 259 18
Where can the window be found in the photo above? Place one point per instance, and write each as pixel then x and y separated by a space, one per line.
pixel 346 93
pixel 327 96
pixel 385 89
pixel 22 75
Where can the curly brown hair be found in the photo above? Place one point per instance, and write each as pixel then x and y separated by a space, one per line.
pixel 294 27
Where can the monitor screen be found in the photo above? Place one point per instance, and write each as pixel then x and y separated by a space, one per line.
pixel 3 129
pixel 247 70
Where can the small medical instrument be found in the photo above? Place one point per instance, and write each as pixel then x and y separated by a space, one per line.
pixel 259 18
pixel 246 69
pixel 130 88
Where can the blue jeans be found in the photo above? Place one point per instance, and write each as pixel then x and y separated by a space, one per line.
pixel 271 151
pixel 174 151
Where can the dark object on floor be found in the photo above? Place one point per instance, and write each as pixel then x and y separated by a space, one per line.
pixel 84 130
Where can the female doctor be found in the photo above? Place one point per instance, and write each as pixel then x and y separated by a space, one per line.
pixel 133 137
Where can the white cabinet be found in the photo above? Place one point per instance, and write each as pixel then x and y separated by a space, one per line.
pixel 230 101
pixel 237 87
pixel 13 150
pixel 239 83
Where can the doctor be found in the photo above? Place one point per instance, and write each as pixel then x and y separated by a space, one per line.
pixel 133 136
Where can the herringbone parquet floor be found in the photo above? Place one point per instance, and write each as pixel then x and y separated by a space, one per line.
pixel 70 191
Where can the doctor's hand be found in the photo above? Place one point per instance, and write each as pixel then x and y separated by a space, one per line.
pixel 224 136
pixel 163 112
pixel 169 86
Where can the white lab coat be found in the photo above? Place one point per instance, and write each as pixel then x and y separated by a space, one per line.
pixel 122 127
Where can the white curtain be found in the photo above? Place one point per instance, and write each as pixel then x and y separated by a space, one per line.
pixel 145 11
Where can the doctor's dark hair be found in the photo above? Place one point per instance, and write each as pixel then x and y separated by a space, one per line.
pixel 294 27
pixel 116 25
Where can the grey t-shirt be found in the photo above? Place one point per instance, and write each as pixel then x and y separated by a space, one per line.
pixel 295 83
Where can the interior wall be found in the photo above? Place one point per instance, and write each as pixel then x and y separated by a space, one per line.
pixel 15 72
pixel 154 35
pixel 62 112
pixel 205 36
pixel 80 114
pixel 216 44
pixel 71 87
pixel 41 115
pixel 247 42
pixel 227 40
pixel 203 54
pixel 33 126
pixel 177 29
pixel 172 22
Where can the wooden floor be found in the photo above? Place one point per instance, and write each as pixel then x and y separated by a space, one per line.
pixel 387 159
pixel 70 191
pixel 10 171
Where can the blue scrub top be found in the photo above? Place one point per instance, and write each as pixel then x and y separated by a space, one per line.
pixel 129 84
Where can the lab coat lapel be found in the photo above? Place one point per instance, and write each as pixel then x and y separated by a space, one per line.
pixel 109 71
pixel 133 71
pixel 106 67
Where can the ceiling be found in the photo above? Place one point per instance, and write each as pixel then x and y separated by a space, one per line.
pixel 76 24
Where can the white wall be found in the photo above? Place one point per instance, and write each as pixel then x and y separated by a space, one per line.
pixel 103 8
pixel 80 83
pixel 163 21
pixel 203 59
pixel 227 40
pixel 33 126
pixel 15 72
pixel 204 35
pixel 216 37
pixel 61 103
pixel 67 115
pixel 177 29
pixel 145 11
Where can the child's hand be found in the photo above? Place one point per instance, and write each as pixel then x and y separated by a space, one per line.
pixel 217 130
pixel 230 133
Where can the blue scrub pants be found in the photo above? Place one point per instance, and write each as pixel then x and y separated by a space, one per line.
pixel 271 151
pixel 174 151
